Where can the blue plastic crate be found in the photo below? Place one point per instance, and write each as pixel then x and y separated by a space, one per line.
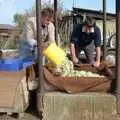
pixel 29 59
pixel 11 64
pixel 1 64
pixel 27 64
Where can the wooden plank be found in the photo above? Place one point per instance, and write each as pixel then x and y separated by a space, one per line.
pixel 8 87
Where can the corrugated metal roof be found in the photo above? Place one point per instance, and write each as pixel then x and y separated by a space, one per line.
pixel 6 26
pixel 93 13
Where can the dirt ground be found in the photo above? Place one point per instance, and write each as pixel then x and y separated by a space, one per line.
pixel 30 113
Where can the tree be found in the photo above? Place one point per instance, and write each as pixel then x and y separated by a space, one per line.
pixel 19 21
pixel 50 4
pixel 19 18
pixel 12 43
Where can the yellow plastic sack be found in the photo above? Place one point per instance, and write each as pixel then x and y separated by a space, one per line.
pixel 54 54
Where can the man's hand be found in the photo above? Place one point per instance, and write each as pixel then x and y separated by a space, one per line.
pixel 72 50
pixel 44 46
pixel 96 64
pixel 98 54
pixel 75 60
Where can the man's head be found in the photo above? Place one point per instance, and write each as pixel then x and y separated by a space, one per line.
pixel 89 21
pixel 47 16
pixel 89 24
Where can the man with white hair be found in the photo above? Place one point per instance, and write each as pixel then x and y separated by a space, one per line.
pixel 28 41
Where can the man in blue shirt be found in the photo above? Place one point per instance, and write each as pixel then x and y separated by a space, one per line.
pixel 87 37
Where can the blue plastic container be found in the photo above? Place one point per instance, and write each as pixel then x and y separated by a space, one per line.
pixel 1 64
pixel 27 64
pixel 29 59
pixel 11 64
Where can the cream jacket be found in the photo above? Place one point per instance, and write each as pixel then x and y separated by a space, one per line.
pixel 48 33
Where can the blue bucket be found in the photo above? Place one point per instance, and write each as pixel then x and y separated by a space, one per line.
pixel 29 59
pixel 27 64
pixel 11 64
pixel 1 64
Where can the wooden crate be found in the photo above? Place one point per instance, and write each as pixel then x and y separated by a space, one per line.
pixel 14 96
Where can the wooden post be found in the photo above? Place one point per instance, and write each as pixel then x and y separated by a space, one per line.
pixel 118 53
pixel 104 29
pixel 40 91
pixel 56 21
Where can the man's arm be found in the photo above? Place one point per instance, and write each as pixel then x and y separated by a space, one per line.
pixel 73 39
pixel 73 53
pixel 97 45
pixel 51 33
pixel 30 35
pixel 72 50
pixel 98 54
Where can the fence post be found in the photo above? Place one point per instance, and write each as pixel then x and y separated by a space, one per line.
pixel 40 90
pixel 56 21
pixel 104 29
pixel 118 53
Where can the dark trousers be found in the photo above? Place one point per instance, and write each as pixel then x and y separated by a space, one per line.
pixel 89 52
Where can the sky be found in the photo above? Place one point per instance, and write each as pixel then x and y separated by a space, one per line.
pixel 90 4
pixel 9 7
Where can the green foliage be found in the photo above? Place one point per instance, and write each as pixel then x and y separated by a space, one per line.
pixel 19 21
pixel 20 18
pixel 46 4
pixel 11 45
